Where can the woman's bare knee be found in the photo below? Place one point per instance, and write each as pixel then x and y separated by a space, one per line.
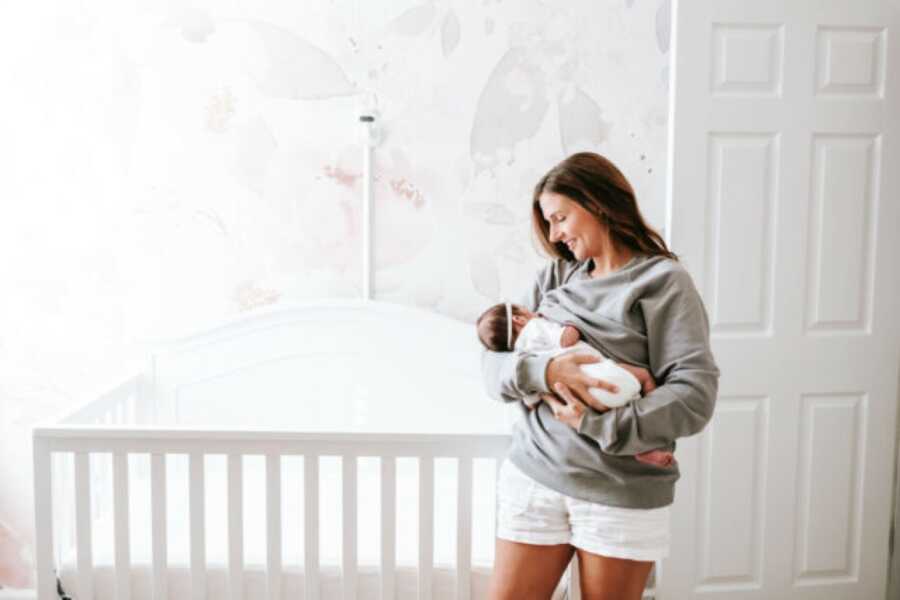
pixel 608 578
pixel 527 571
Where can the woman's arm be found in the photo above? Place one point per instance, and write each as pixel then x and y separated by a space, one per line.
pixel 680 357
pixel 511 376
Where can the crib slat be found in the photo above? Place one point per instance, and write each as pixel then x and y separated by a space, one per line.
pixel 158 517
pixel 348 527
pixel 198 529
pixel 464 529
pixel 311 525
pixel 120 516
pixel 426 526
pixel 43 494
pixel 388 526
pixel 57 466
pixel 273 524
pixel 83 525
pixel 236 526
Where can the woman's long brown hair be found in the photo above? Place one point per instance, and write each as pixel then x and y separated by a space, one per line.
pixel 600 188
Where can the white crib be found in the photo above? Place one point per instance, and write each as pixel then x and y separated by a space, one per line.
pixel 226 468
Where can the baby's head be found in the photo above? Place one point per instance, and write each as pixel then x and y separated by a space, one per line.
pixel 493 326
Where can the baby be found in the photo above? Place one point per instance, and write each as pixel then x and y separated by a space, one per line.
pixel 530 331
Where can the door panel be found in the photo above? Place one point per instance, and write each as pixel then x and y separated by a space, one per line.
pixel 783 192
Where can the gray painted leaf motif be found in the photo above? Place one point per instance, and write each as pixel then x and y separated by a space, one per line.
pixel 663 25
pixel 196 24
pixel 492 213
pixel 414 20
pixel 513 248
pixel 580 119
pixel 511 108
pixel 485 276
pixel 298 70
pixel 450 33
pixel 214 218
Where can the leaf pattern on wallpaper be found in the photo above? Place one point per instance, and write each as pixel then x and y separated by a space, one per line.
pixel 219 111
pixel 485 275
pixel 196 24
pixel 664 25
pixel 248 295
pixel 414 21
pixel 450 33
pixel 213 217
pixel 581 120
pixel 297 69
pixel 513 247
pixel 492 213
pixel 510 109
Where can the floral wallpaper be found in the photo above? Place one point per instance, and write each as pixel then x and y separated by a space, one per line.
pixel 167 165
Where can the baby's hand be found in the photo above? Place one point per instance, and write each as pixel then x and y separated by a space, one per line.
pixel 660 458
pixel 643 376
pixel 569 337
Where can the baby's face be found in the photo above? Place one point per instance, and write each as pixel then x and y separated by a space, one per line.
pixel 519 321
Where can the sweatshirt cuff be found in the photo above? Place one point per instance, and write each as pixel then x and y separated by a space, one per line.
pixel 533 373
pixel 601 427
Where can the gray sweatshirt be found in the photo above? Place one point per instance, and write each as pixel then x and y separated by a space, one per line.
pixel 647 313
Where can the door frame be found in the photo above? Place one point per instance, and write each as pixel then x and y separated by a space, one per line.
pixel 893 587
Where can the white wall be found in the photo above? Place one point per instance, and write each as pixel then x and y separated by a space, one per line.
pixel 166 166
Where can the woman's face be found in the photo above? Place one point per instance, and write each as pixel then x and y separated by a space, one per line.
pixel 571 224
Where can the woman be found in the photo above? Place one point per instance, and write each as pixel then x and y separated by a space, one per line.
pixel 570 483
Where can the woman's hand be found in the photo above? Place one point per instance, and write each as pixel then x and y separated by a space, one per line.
pixel 566 407
pixel 643 375
pixel 566 369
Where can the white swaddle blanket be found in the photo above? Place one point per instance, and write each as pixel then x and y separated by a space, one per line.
pixel 542 335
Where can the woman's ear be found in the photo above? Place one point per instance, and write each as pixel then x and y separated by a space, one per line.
pixel 519 320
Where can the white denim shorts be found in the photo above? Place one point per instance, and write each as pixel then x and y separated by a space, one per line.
pixel 531 513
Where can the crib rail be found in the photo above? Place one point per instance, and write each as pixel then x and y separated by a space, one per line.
pixel 115 403
pixel 119 443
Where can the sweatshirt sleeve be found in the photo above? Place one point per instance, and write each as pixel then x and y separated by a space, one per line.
pixel 512 376
pixel 680 358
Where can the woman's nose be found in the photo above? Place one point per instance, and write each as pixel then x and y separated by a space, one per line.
pixel 554 235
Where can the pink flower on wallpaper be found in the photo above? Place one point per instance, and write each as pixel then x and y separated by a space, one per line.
pixel 15 570
pixel 341 177
pixel 330 214
pixel 248 295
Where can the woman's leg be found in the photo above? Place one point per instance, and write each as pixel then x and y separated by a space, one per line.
pixel 527 571
pixel 606 578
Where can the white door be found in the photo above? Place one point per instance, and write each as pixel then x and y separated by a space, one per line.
pixel 785 206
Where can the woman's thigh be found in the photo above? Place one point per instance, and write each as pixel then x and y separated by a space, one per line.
pixel 527 571
pixel 607 578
